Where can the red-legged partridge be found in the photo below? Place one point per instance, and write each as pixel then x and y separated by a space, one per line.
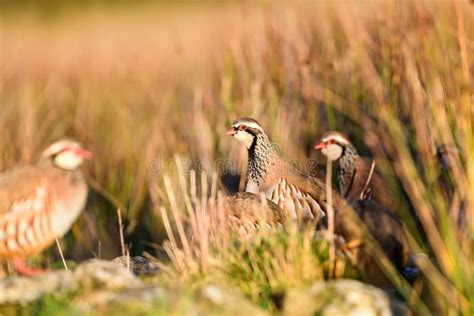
pixel 301 197
pixel 40 202
pixel 353 172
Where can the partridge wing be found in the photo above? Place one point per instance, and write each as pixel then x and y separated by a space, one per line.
pixel 24 206
pixel 315 189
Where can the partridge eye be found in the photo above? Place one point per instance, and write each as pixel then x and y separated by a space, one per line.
pixel 242 127
pixel 332 141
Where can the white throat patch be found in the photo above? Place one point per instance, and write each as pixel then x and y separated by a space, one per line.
pixel 332 151
pixel 68 160
pixel 245 137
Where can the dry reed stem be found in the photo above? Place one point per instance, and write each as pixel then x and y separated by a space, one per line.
pixel 120 227
pixel 128 259
pixel 330 213
pixel 171 246
pixel 462 42
pixel 61 254
pixel 177 216
pixel 106 195
pixel 185 194
pixel 440 282
pixel 387 266
pixel 367 182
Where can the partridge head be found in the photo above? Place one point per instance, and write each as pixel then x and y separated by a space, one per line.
pixel 246 130
pixel 65 154
pixel 334 145
pixel 356 177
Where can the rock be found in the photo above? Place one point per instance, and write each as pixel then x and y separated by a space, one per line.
pixel 122 300
pixel 221 299
pixel 91 274
pixel 107 288
pixel 18 289
pixel 337 297
pixel 138 265
pixel 209 299
pixel 105 274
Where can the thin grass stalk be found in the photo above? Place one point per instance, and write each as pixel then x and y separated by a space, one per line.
pixel 206 219
pixel 440 283
pixel 389 269
pixel 330 214
pixel 61 254
pixel 416 190
pixel 171 246
pixel 185 193
pixel 193 189
pixel 177 216
pixel 120 227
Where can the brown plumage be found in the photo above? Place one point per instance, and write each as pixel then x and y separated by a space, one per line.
pixel 40 202
pixel 248 212
pixel 354 173
pixel 301 196
pixel 385 228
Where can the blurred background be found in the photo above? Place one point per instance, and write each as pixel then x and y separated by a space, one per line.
pixel 141 82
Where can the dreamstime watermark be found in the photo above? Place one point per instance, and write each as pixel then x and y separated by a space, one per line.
pixel 160 165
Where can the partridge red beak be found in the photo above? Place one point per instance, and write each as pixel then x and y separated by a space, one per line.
pixel 231 131
pixel 83 153
pixel 321 145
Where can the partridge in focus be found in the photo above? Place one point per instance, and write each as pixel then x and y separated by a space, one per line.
pixel 40 202
pixel 354 173
pixel 301 196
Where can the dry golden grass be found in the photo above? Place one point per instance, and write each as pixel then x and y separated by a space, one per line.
pixel 140 84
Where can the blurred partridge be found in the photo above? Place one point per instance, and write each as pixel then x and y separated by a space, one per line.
pixel 40 202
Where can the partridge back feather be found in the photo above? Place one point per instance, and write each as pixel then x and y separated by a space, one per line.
pixel 302 196
pixel 248 212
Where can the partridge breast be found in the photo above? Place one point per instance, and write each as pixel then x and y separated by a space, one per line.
pixel 37 205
